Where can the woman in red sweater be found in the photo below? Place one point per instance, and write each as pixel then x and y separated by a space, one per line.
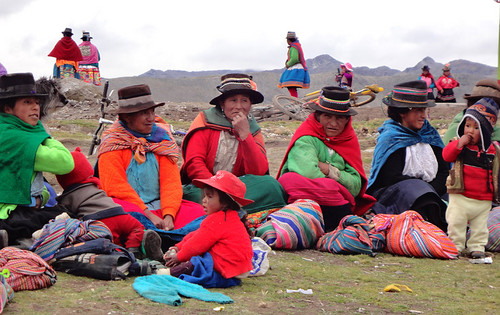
pixel 222 233
pixel 227 137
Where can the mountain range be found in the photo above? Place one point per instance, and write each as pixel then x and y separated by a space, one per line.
pixel 199 86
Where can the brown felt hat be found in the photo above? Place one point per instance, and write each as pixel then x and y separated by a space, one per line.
pixel 484 88
pixel 133 99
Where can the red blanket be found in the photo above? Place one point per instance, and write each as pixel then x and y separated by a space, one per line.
pixel 66 49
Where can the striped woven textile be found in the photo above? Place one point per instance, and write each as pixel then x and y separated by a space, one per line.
pixel 64 232
pixel 6 291
pixel 255 219
pixel 295 226
pixel 353 236
pixel 493 244
pixel 28 271
pixel 408 234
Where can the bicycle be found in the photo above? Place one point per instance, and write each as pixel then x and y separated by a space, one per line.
pixel 296 108
pixel 105 101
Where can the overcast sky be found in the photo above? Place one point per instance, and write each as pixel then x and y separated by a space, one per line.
pixel 135 36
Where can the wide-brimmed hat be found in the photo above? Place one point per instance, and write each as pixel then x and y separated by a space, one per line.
pixel 291 35
pixel 67 30
pixel 484 88
pixel 134 98
pixel 237 83
pixel 228 183
pixel 347 65
pixel 14 85
pixel 409 94
pixel 333 100
pixel 86 35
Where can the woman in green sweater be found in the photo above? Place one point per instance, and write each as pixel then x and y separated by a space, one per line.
pixel 26 150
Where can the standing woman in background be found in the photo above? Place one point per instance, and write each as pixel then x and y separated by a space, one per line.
pixel 429 79
pixel 296 74
pixel 67 56
pixel 445 85
pixel 89 66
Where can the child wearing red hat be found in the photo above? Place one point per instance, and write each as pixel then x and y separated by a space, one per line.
pixel 84 199
pixel 222 233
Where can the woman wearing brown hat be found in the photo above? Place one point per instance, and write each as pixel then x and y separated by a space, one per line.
pixel 323 160
pixel 227 137
pixel 26 150
pixel 137 160
pixel 296 74
pixel 408 170
pixel 483 88
pixel 67 56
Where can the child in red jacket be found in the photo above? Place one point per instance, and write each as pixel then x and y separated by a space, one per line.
pixel 222 233
pixel 471 202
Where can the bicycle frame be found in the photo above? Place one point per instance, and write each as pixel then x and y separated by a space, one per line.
pixel 105 101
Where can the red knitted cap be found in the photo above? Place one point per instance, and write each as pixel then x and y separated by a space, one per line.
pixel 82 173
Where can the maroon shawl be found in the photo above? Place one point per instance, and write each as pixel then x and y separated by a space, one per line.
pixel 66 49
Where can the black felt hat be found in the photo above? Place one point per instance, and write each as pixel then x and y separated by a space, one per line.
pixel 333 100
pixel 237 83
pixel 14 85
pixel 409 94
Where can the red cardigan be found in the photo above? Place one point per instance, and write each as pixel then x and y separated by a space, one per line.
pixel 224 236
pixel 475 178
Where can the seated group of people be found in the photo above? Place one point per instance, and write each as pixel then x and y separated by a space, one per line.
pixel 225 171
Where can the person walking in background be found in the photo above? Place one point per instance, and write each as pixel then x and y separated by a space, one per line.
pixel 472 185
pixel 89 66
pixel 296 74
pixel 429 79
pixel 445 85
pixel 67 56
pixel 344 78
pixel 2 70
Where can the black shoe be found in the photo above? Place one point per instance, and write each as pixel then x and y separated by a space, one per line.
pixel 4 239
pixel 151 244
pixel 477 254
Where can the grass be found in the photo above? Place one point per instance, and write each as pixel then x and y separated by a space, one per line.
pixel 340 284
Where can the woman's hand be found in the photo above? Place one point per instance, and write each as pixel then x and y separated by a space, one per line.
pixel 241 125
pixel 324 168
pixel 168 221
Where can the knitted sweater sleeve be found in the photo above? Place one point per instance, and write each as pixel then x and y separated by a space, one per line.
pixel 53 157
pixel 293 57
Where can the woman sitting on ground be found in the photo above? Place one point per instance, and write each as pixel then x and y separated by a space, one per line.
pixel 138 161
pixel 408 170
pixel 227 137
pixel 26 150
pixel 323 160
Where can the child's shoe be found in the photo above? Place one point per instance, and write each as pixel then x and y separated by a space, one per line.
pixel 477 254
pixel 151 245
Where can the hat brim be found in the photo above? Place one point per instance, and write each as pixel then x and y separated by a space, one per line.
pixel 209 182
pixel 392 103
pixel 255 96
pixel 39 95
pixel 314 106
pixel 135 109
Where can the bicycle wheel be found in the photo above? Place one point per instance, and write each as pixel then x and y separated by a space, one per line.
pixel 362 99
pixel 292 106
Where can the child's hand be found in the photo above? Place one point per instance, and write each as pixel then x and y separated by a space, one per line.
pixel 463 141
pixel 171 259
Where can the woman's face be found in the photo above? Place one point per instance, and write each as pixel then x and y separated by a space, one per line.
pixel 141 121
pixel 27 109
pixel 238 104
pixel 414 119
pixel 333 125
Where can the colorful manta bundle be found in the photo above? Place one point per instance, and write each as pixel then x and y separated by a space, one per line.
pixel 352 236
pixel 28 271
pixel 408 234
pixel 295 226
pixel 493 244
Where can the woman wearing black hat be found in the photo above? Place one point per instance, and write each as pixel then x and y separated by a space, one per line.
pixel 67 56
pixel 227 137
pixel 89 66
pixel 408 170
pixel 26 150
pixel 323 160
